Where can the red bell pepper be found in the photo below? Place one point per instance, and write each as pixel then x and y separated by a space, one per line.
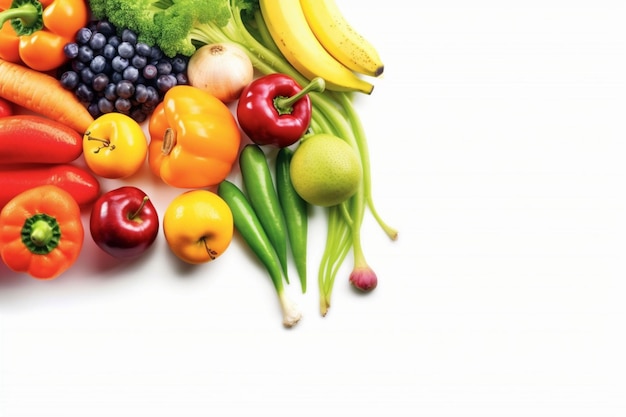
pixel 275 110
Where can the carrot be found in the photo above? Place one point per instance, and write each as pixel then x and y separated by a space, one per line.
pixel 43 94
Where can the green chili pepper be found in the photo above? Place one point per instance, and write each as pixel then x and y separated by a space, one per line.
pixel 295 210
pixel 249 227
pixel 259 187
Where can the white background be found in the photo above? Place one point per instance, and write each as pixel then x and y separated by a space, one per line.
pixel 497 143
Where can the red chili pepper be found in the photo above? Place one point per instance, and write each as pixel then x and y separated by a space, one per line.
pixel 79 182
pixel 6 108
pixel 275 110
pixel 35 139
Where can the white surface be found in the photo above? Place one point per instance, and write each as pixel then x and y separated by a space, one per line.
pixel 497 142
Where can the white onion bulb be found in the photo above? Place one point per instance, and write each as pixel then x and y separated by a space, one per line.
pixel 221 69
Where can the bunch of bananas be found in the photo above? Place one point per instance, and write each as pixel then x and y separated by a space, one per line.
pixel 315 37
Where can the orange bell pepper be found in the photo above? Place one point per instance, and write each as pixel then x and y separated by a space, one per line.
pixel 9 44
pixel 194 138
pixel 41 232
pixel 34 32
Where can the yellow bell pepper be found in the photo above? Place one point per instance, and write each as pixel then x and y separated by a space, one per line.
pixel 194 138
pixel 115 146
pixel 198 226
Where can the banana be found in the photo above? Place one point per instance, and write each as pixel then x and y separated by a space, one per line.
pixel 340 39
pixel 288 27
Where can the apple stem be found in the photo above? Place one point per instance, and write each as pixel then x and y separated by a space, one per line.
pixel 105 142
pixel 211 252
pixel 133 215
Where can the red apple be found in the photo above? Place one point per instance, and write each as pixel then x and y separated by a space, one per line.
pixel 124 222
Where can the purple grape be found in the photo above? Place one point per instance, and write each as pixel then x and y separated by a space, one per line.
pixel 129 36
pixel 85 54
pixel 119 63
pixel 105 105
pixel 106 28
pixel 179 64
pixel 117 73
pixel 70 50
pixel 97 41
pixel 125 89
pixel 100 82
pixel 123 105
pixel 83 35
pixel 143 49
pixel 70 80
pixel 165 82
pixel 84 93
pixel 77 65
pixel 139 61
pixel 86 75
pixel 109 92
pixel 126 50
pixel 182 79
pixel 109 51
pixel 130 74
pixel 114 41
pixel 150 71
pixel 164 67
pixel 98 64
pixel 141 93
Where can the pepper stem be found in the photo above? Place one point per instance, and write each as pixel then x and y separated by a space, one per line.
pixel 169 140
pixel 41 233
pixel 26 16
pixel 284 105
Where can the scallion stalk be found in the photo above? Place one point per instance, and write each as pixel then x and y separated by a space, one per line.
pixel 360 136
pixel 338 244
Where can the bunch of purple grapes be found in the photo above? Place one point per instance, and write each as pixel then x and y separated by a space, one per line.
pixel 110 71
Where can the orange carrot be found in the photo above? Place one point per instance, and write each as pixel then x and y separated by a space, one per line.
pixel 43 94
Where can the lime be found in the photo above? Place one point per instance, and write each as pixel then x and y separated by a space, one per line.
pixel 325 170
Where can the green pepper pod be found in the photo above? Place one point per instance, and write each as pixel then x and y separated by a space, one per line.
pixel 249 227
pixel 259 187
pixel 295 211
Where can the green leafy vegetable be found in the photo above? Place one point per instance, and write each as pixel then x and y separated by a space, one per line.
pixel 178 26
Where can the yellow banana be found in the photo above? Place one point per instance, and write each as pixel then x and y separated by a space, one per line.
pixel 340 39
pixel 288 27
